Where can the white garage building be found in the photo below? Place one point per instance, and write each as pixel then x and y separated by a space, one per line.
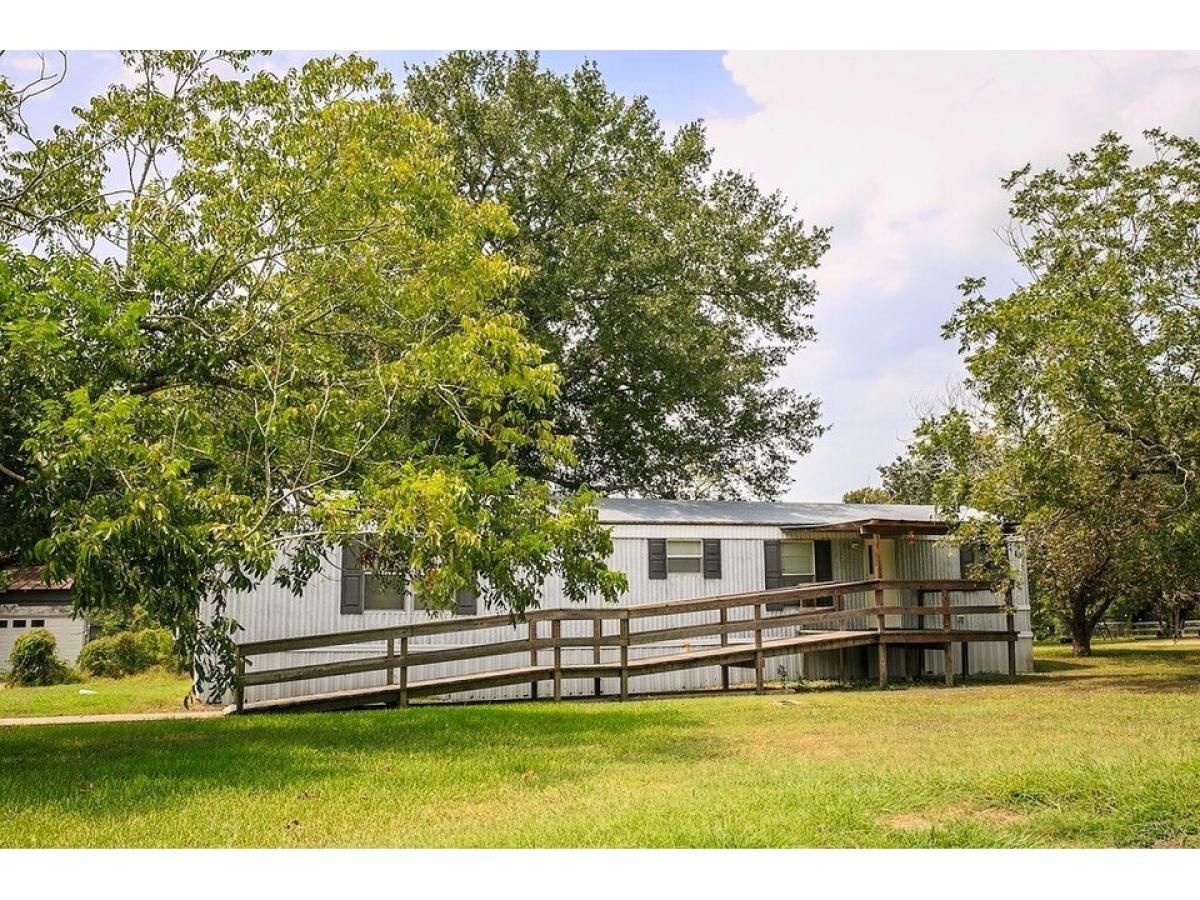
pixel 28 602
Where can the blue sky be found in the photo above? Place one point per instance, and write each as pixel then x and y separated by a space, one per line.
pixel 902 153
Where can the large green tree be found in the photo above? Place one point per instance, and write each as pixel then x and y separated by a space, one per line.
pixel 668 293
pixel 246 317
pixel 1084 379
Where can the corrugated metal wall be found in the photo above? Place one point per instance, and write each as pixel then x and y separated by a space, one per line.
pixel 69 634
pixel 270 611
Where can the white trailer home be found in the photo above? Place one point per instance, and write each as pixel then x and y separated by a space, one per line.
pixel 669 550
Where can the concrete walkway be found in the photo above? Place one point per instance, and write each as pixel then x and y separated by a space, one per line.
pixel 114 717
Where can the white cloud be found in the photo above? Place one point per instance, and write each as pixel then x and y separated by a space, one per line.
pixel 903 154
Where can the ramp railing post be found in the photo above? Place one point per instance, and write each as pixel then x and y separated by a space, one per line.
pixel 1010 618
pixel 556 637
pixel 881 626
pixel 533 656
pixel 758 654
pixel 404 671
pixel 597 635
pixel 724 643
pixel 391 655
pixel 624 654
pixel 947 648
pixel 239 687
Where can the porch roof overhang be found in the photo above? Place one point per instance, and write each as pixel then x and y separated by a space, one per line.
pixel 881 527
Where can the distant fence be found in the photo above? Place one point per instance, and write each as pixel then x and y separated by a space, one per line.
pixel 1146 631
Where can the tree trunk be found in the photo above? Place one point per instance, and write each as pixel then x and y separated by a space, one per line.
pixel 1081 625
pixel 1081 642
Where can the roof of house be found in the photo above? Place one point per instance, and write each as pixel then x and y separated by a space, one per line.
pixel 30 578
pixel 619 511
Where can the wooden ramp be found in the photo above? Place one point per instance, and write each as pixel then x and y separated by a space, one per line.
pixel 848 604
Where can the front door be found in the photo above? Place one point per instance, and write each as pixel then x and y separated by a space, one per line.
pixel 887 550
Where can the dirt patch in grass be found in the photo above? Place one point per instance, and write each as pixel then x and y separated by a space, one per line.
pixel 928 819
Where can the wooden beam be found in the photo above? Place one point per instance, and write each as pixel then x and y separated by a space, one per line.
pixel 758 650
pixel 598 636
pixel 881 622
pixel 555 636
pixel 239 685
pixel 533 656
pixel 724 620
pixel 391 655
pixel 1010 621
pixel 403 672
pixel 625 658
pixel 947 652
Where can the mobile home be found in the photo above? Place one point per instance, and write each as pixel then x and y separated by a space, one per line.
pixel 668 550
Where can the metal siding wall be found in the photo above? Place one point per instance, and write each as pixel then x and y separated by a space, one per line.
pixel 271 611
pixel 69 634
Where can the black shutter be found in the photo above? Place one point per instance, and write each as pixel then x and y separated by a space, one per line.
pixel 771 564
pixel 352 581
pixel 823 560
pixel 966 558
pixel 466 602
pixel 657 549
pixel 712 558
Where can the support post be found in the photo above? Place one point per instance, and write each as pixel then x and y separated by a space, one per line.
pixel 391 654
pixel 839 603
pixel 625 656
pixel 724 643
pixel 965 653
pixel 877 554
pixel 533 656
pixel 597 635
pixel 947 650
pixel 1010 618
pixel 556 637
pixel 920 651
pixel 404 672
pixel 758 654
pixel 239 688
pixel 881 624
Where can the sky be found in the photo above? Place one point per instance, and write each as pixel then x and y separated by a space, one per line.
pixel 902 153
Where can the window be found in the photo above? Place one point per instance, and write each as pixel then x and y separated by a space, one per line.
pixel 18 623
pixel 796 563
pixel 684 556
pixel 38 623
pixel 3 623
pixel 381 591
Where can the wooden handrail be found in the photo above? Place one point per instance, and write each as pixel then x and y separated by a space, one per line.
pixel 755 624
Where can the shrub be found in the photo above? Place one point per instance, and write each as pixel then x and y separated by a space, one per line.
pixel 34 661
pixel 127 653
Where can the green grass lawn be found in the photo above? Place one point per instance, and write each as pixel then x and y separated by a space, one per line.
pixel 1097 752
pixel 152 691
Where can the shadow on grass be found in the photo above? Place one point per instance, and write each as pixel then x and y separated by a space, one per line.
pixel 1151 668
pixel 107 770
